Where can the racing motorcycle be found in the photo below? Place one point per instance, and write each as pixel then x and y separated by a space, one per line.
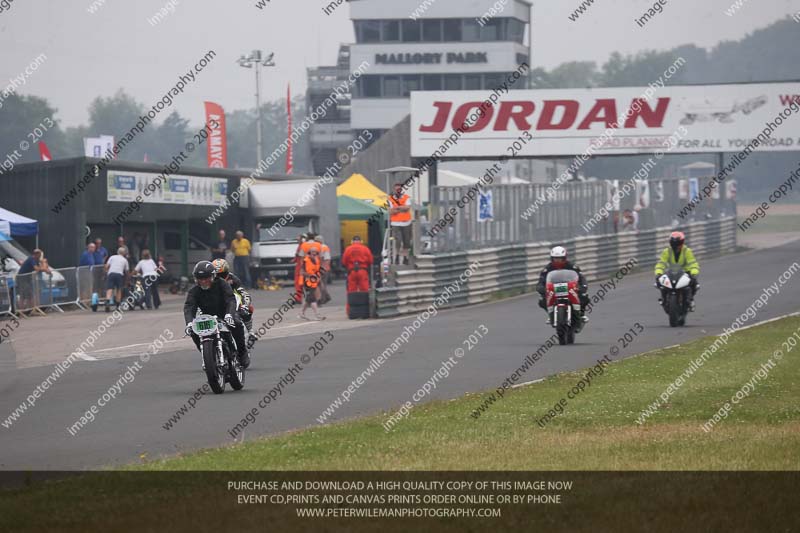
pixel 246 310
pixel 564 305
pixel 675 295
pixel 219 353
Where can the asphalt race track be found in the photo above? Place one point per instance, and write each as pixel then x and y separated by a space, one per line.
pixel 131 425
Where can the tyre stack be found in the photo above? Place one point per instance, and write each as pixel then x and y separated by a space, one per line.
pixel 357 305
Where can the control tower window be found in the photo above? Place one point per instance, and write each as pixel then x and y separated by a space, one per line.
pixel 412 33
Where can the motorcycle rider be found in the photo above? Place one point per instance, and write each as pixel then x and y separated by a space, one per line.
pixel 223 270
pixel 558 261
pixel 214 296
pixel 677 253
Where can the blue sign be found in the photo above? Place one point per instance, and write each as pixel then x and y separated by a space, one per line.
pixel 485 206
pixel 125 183
pixel 179 185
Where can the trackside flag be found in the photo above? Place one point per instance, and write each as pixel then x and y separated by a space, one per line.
pixel 289 162
pixel 44 152
pixel 217 145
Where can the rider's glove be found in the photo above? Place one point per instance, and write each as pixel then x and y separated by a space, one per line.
pixel 229 320
pixel 188 329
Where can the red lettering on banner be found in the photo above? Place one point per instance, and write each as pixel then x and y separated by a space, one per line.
pixel 516 111
pixel 462 118
pixel 570 108
pixel 439 122
pixel 652 118
pixel 604 110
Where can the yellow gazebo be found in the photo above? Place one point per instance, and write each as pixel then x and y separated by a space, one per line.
pixel 359 187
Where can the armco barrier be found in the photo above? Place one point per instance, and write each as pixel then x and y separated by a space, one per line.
pixel 517 267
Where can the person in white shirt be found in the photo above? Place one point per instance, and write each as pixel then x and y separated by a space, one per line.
pixel 116 268
pixel 149 271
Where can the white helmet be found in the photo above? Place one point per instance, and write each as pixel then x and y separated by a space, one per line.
pixel 558 252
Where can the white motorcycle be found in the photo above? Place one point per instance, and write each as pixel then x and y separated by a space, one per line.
pixel 676 295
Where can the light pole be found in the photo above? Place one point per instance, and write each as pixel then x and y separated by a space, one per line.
pixel 255 59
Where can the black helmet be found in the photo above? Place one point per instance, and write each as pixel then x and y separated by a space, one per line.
pixel 203 270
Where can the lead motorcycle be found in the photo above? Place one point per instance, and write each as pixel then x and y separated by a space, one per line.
pixel 676 295
pixel 219 353
pixel 563 304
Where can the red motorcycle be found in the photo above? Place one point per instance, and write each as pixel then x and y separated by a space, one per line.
pixel 564 305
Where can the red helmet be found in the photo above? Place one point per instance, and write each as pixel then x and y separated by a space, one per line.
pixel 676 239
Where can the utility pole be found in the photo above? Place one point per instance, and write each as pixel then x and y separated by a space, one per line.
pixel 255 59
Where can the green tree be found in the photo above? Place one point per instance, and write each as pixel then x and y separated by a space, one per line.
pixel 19 116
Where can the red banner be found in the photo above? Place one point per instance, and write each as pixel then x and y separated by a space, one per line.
pixel 217 145
pixel 44 152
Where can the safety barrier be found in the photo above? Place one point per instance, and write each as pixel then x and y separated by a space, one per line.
pixel 5 296
pixel 91 279
pixel 517 267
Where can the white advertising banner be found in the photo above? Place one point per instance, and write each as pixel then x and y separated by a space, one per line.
pixel 617 120
pixel 192 190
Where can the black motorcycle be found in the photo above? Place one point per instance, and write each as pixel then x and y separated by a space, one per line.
pixel 219 353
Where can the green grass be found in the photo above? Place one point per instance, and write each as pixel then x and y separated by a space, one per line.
pixel 773 223
pixel 596 432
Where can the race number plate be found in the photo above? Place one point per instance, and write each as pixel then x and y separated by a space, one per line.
pixel 562 288
pixel 204 325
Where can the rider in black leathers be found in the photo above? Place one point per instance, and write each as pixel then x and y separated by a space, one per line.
pixel 214 296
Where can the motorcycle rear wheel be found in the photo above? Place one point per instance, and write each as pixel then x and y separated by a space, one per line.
pixel 215 380
pixel 235 371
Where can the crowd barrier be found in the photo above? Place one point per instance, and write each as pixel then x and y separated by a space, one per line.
pixel 38 291
pixel 517 267
pixel 5 296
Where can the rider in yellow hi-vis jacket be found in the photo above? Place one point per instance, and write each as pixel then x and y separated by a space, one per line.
pixel 679 254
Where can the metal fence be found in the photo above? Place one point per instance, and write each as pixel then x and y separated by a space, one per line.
pixel 38 291
pixel 537 212
pixel 5 296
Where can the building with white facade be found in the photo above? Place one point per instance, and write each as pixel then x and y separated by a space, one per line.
pixel 431 45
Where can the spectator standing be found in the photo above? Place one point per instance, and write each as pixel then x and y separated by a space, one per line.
pixel 149 271
pixel 88 256
pixel 311 274
pixel 221 249
pixel 117 268
pixel 298 269
pixel 35 263
pixel 100 252
pixel 241 258
pixel 325 257
pixel 630 220
pixel 357 259
pixel 400 220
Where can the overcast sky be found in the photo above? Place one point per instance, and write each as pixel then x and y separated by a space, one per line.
pixel 116 47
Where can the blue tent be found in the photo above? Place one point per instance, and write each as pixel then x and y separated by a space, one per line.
pixel 18 225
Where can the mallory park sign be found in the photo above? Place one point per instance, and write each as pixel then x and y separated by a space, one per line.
pixel 431 58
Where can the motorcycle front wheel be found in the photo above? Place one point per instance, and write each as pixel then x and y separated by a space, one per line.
pixel 215 379
pixel 562 328
pixel 673 310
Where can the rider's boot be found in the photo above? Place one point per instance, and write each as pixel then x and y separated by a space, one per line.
pixel 244 357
